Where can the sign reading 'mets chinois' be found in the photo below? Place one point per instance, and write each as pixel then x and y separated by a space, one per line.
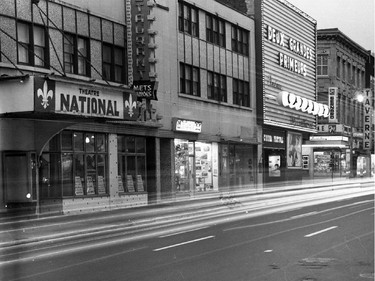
pixel 63 98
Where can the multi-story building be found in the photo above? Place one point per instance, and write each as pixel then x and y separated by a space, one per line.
pixel 124 104
pixel 287 108
pixel 344 142
pixel 72 137
pixel 205 65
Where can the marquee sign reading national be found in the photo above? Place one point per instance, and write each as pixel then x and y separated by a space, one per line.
pixel 63 98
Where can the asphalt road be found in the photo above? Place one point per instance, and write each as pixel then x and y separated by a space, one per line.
pixel 330 241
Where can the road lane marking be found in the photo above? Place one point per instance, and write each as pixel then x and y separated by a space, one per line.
pixel 184 243
pixel 320 231
pixel 182 232
pixel 304 215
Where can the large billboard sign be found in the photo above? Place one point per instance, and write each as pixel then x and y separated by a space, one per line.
pixel 287 63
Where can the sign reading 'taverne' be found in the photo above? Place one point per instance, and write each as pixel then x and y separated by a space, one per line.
pixel 367 122
pixel 63 98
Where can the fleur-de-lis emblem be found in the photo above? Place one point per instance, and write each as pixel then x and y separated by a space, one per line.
pixel 45 94
pixel 131 105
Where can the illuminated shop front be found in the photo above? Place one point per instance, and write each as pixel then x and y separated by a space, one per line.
pixel 202 166
pixel 196 166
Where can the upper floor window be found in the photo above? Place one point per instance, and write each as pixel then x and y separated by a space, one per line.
pixel 76 55
pixel 32 45
pixel 240 40
pixel 322 65
pixel 241 93
pixel 189 80
pixel 188 19
pixel 338 67
pixel 113 63
pixel 216 86
pixel 215 30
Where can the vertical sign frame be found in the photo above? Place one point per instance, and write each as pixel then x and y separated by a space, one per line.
pixel 332 104
pixel 367 120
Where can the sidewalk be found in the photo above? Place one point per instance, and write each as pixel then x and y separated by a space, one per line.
pixel 22 230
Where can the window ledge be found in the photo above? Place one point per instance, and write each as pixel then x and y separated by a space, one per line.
pixel 226 104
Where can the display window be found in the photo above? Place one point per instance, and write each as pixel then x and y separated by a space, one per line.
pixel 74 164
pixel 131 163
pixel 237 166
pixel 196 166
pixel 274 164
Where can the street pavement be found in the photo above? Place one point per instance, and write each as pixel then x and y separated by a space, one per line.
pixel 316 234
pixel 19 231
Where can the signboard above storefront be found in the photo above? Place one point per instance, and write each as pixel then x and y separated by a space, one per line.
pixel 184 125
pixel 59 97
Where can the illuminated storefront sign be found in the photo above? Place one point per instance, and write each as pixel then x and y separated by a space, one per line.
pixel 184 125
pixel 71 99
pixel 302 104
pixel 367 124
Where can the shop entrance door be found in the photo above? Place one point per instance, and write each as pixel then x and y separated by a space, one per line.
pixel 185 166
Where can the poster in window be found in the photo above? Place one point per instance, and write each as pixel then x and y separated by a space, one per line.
pixel 78 188
pixel 294 152
pixel 274 166
pixel 101 185
pixel 120 184
pixel 140 187
pixel 130 183
pixel 90 186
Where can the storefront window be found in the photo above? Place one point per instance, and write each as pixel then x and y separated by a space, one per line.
pixel 237 166
pixel 74 164
pixel 196 166
pixel 132 163
pixel 67 174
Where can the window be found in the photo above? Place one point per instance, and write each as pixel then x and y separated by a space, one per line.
pixel 132 162
pixel 113 63
pixel 76 55
pixel 338 67
pixel 189 80
pixel 240 40
pixel 75 164
pixel 241 93
pixel 32 45
pixel 216 87
pixel 322 65
pixel 353 76
pixel 188 19
pixel 215 30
